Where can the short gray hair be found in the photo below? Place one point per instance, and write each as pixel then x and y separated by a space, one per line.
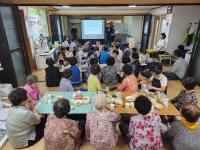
pixel 100 101
pixel 32 79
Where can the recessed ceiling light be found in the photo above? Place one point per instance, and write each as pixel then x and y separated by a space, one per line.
pixel 132 6
pixel 66 6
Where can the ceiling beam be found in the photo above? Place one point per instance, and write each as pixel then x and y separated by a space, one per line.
pixel 98 2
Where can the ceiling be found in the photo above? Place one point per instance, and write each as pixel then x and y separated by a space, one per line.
pixel 98 2
pixel 105 7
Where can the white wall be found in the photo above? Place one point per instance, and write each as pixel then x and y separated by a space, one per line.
pixel 182 16
pixel 101 11
pixel 134 26
pixel 159 11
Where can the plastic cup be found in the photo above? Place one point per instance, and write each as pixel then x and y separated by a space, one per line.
pixel 107 89
pixel 127 105
pixel 72 107
pixel 49 96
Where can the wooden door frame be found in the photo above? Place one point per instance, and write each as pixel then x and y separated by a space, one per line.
pixel 153 31
pixel 22 41
pixel 30 57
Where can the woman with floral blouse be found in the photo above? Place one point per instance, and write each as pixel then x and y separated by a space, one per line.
pixel 100 126
pixel 144 131
pixel 186 96
pixel 61 133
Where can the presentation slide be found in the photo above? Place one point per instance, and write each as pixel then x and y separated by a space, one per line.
pixel 93 29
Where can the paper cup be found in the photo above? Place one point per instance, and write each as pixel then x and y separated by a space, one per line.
pixel 127 105
pixel 112 106
pixel 107 89
pixel 166 104
pixel 132 105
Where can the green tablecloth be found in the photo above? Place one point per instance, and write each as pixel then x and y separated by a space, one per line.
pixel 44 107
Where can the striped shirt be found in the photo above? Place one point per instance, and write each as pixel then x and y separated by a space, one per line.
pixel 183 138
pixel 129 84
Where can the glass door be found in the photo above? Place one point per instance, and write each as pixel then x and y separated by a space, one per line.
pixel 15 43
pixel 145 33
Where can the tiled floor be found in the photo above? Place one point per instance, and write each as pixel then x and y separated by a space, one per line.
pixel 173 89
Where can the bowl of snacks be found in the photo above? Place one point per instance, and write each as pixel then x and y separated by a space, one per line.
pixel 78 102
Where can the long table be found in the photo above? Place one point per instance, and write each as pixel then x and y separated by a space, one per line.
pixel 44 107
pixel 169 111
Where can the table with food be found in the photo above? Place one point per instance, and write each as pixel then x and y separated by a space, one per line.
pixel 123 103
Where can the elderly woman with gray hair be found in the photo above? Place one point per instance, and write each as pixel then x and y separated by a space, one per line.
pixel 100 125
pixel 32 88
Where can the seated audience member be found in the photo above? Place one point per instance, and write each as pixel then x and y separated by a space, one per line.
pixel 117 46
pixel 76 78
pixel 186 96
pixel 158 81
pixel 179 68
pixel 23 124
pixel 126 60
pixel 65 62
pixel 182 48
pixel 76 53
pixel 90 55
pixel 98 46
pixel 146 71
pixel 61 57
pixel 135 63
pixel 104 55
pixel 61 133
pixel 88 69
pixel 32 88
pixel 66 42
pixel 65 83
pixel 68 53
pixel 144 129
pixel 134 50
pixel 118 61
pixel 73 44
pixel 63 49
pixel 185 133
pixel 127 51
pixel 129 83
pixel 93 81
pixel 52 73
pixel 115 55
pixel 100 125
pixel 109 72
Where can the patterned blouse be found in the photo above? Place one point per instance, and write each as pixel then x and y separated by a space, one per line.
pixel 100 129
pixel 61 134
pixel 109 75
pixel 145 132
pixel 185 97
pixel 129 84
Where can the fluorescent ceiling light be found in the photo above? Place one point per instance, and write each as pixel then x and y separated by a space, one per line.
pixel 66 6
pixel 132 6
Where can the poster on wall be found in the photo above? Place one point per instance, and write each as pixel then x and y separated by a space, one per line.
pixel 36 21
pixel 166 25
